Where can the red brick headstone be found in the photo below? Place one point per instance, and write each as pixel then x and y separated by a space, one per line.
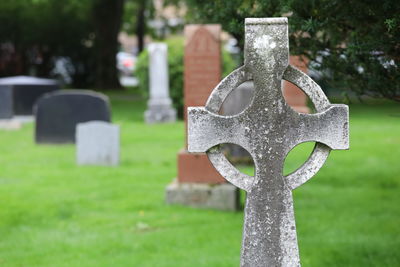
pixel 293 95
pixel 202 72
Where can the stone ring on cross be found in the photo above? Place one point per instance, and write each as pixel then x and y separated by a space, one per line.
pixel 268 129
pixel 317 157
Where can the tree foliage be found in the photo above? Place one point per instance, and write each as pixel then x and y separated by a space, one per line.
pixel 355 44
pixel 34 33
pixel 136 15
pixel 231 14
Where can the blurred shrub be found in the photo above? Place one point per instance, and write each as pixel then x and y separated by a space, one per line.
pixel 175 64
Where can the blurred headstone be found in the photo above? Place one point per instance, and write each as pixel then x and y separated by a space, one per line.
pixel 97 143
pixel 159 106
pixel 238 99
pixel 196 176
pixel 58 113
pixel 18 94
pixel 294 96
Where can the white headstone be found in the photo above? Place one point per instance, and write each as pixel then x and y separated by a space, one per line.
pixel 160 104
pixel 97 143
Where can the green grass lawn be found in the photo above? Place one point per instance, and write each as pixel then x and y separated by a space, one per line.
pixel 55 213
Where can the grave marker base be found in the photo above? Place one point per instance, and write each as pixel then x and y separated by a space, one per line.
pixel 199 195
pixel 157 114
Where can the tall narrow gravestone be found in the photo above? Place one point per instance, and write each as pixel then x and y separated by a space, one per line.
pixel 202 72
pixel 268 129
pixel 198 183
pixel 160 104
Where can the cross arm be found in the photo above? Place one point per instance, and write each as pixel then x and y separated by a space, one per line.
pixel 206 129
pixel 329 127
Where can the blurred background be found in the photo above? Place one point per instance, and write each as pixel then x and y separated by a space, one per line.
pixel 55 213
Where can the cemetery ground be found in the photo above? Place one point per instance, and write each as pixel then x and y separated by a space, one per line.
pixel 55 213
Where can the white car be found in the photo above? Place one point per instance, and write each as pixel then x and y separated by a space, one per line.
pixel 126 63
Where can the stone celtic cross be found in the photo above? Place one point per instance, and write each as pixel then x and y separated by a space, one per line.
pixel 268 129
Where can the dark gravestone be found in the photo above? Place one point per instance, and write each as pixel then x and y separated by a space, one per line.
pixel 58 113
pixel 6 103
pixel 19 94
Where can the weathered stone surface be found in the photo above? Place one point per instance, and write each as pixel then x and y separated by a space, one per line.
pixel 200 195
pixel 58 113
pixel 202 72
pixel 97 143
pixel 160 104
pixel 18 94
pixel 268 129
pixel 241 97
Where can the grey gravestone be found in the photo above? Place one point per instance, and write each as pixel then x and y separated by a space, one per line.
pixel 58 113
pixel 160 104
pixel 268 129
pixel 238 99
pixel 97 143
pixel 19 94
pixel 234 103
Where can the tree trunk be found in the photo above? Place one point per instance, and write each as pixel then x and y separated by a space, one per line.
pixel 141 25
pixel 107 17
